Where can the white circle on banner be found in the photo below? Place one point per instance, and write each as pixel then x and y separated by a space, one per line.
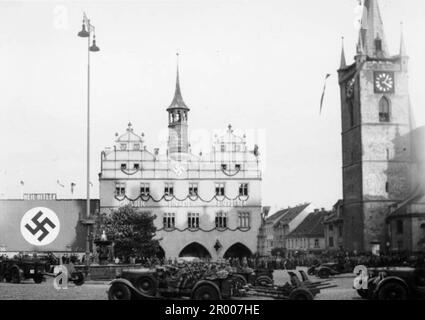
pixel 40 226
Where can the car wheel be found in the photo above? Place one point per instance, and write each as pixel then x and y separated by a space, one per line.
pixel 38 278
pixel 146 285
pixel 300 294
pixel 392 291
pixel 15 275
pixel 263 281
pixel 323 273
pixel 78 278
pixel 119 291
pixel 206 292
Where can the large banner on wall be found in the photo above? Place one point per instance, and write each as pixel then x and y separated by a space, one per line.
pixel 42 225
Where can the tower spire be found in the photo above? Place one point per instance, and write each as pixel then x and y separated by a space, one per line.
pixel 372 30
pixel 178 99
pixel 343 60
pixel 403 52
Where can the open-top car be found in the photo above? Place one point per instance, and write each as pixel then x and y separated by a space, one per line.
pixel 171 282
pixel 394 283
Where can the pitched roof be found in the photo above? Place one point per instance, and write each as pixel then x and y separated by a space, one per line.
pixel 285 216
pixel 312 226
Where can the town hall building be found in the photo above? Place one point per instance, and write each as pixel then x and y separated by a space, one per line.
pixel 206 205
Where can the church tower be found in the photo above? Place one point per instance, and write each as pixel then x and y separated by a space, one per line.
pixel 376 123
pixel 177 123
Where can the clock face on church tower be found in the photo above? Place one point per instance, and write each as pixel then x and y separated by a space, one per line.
pixel 384 82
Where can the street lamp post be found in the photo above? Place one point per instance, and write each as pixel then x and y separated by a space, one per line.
pixel 86 32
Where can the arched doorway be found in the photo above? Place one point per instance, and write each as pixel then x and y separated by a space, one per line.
pixel 195 249
pixel 238 250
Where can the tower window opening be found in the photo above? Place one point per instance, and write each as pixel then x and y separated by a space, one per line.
pixel 378 44
pixel 384 110
pixel 387 187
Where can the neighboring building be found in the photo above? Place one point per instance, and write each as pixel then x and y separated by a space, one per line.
pixel 71 213
pixel 207 205
pixel 279 225
pixel 309 236
pixel 376 143
pixel 406 219
pixel 333 227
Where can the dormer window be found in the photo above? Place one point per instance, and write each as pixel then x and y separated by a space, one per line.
pixel 136 146
pixel 223 147
pixel 224 167
pixel 136 166
pixel 123 146
pixel 123 166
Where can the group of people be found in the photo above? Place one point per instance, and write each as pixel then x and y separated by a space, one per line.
pixel 257 262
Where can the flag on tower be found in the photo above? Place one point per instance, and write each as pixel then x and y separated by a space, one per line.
pixel 323 93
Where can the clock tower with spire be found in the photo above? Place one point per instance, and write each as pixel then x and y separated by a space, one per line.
pixel 376 125
pixel 177 123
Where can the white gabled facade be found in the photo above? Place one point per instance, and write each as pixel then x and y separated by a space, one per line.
pixel 206 205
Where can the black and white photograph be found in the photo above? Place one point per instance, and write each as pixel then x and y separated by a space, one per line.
pixel 241 151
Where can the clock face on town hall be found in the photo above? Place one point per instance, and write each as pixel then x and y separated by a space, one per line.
pixel 384 82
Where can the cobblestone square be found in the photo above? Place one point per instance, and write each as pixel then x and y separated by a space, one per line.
pixel 28 290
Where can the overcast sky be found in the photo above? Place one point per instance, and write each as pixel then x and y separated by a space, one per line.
pixel 258 65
